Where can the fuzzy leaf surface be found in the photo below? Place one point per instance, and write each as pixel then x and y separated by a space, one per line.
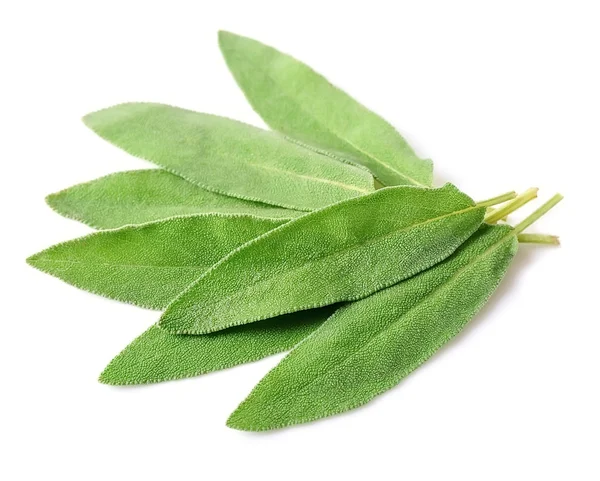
pixel 297 101
pixel 158 355
pixel 149 264
pixel 341 253
pixel 369 346
pixel 140 196
pixel 230 157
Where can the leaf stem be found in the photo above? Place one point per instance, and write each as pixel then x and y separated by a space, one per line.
pixel 511 206
pixel 521 226
pixel 497 200
pixel 489 211
pixel 538 239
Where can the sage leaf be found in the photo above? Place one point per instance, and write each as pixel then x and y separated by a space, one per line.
pixel 229 157
pixel 369 346
pixel 340 253
pixel 158 355
pixel 295 100
pixel 140 196
pixel 149 264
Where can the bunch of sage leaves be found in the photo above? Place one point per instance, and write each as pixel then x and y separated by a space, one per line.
pixel 323 236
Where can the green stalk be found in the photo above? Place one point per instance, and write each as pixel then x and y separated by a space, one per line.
pixel 497 200
pixel 490 210
pixel 538 239
pixel 511 206
pixel 521 226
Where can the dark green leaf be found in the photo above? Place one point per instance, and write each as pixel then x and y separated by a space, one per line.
pixel 341 253
pixel 369 346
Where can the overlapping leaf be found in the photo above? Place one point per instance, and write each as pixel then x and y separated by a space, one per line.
pixel 295 100
pixel 341 253
pixel 230 157
pixel 158 355
pixel 369 346
pixel 140 196
pixel 150 264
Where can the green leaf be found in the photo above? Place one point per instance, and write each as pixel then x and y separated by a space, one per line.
pixel 230 157
pixel 140 196
pixel 149 264
pixel 158 356
pixel 295 100
pixel 341 253
pixel 369 346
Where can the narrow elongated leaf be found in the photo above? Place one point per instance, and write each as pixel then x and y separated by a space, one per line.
pixel 140 196
pixel 158 356
pixel 149 264
pixel 369 346
pixel 341 253
pixel 295 100
pixel 230 157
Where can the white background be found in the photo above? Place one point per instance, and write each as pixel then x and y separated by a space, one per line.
pixel 501 95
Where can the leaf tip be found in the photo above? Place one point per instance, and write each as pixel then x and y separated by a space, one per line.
pixel 52 200
pixel 257 415
pixel 238 422
pixel 87 120
pixel 32 260
pixel 225 37
pixel 112 376
pixel 105 378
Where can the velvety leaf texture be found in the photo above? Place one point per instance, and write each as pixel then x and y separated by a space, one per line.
pixel 369 346
pixel 230 157
pixel 150 264
pixel 158 356
pixel 341 253
pixel 297 101
pixel 140 196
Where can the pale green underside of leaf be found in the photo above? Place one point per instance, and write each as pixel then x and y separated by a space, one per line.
pixel 341 253
pixel 140 196
pixel 230 157
pixel 149 264
pixel 158 355
pixel 369 346
pixel 297 101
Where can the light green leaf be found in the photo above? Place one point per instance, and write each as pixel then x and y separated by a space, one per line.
pixel 369 346
pixel 230 157
pixel 341 253
pixel 295 100
pixel 158 356
pixel 140 196
pixel 149 264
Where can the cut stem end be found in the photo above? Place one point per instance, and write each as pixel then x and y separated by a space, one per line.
pixel 545 239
